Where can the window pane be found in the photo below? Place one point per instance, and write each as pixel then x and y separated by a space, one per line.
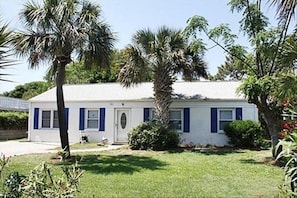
pixel 92 124
pixel 56 124
pixel 175 115
pixel 45 124
pixel 225 114
pixel 46 114
pixel 55 115
pixel 175 124
pixel 93 114
pixel 46 119
pixel 223 124
pixel 56 121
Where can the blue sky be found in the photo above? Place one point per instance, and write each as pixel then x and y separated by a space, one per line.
pixel 126 17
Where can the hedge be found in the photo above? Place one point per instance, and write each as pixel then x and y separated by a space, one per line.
pixel 13 120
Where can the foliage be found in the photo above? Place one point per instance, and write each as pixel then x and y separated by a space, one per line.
pixel 13 185
pixel 5 37
pixel 28 90
pixel 56 31
pixel 152 136
pixel 160 56
pixel 245 133
pixel 289 155
pixel 41 182
pixel 260 69
pixel 78 73
pixel 13 120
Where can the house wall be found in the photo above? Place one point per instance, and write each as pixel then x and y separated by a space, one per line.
pixel 200 122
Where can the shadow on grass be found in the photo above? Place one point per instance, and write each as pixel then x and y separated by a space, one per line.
pixel 264 161
pixel 217 151
pixel 250 161
pixel 110 164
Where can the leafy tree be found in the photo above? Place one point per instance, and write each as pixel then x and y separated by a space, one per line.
pixel 28 90
pixel 78 73
pixel 262 66
pixel 160 56
pixel 55 31
pixel 232 69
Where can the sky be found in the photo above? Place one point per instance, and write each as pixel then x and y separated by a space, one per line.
pixel 125 17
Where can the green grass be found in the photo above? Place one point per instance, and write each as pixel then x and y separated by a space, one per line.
pixel 125 173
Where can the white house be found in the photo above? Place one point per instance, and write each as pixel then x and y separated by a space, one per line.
pixel 199 111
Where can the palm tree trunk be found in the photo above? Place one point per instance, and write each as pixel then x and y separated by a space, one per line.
pixel 60 78
pixel 162 93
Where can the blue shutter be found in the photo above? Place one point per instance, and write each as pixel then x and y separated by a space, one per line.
pixel 238 113
pixel 146 114
pixel 67 117
pixel 35 120
pixel 102 120
pixel 214 120
pixel 186 120
pixel 81 118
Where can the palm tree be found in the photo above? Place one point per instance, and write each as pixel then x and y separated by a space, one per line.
pixel 5 38
pixel 57 30
pixel 160 56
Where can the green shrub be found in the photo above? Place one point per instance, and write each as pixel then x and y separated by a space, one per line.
pixel 152 136
pixel 13 120
pixel 245 133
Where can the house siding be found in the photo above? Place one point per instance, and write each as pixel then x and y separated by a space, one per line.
pixel 198 113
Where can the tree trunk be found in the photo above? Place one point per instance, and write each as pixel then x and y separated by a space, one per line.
pixel 274 126
pixel 162 94
pixel 60 77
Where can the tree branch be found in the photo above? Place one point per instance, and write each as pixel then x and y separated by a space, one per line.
pixel 228 52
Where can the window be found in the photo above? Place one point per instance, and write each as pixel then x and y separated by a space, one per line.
pixel 92 119
pixel 179 119
pixel 225 116
pixel 46 119
pixel 175 119
pixel 49 119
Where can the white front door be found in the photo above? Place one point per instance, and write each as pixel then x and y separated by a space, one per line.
pixel 122 125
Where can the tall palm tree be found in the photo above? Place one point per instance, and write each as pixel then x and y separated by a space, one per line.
pixel 57 30
pixel 160 56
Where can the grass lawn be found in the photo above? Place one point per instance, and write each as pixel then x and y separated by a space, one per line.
pixel 126 173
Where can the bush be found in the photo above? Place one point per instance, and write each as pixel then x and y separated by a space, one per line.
pixel 13 120
pixel 152 136
pixel 245 133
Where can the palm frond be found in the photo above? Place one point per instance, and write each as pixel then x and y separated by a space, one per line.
pixel 136 69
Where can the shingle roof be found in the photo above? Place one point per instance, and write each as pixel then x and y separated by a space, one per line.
pixel 217 90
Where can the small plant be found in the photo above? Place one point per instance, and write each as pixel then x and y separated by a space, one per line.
pixel 152 136
pixel 289 156
pixel 13 184
pixel 41 183
pixel 245 133
pixel 3 162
